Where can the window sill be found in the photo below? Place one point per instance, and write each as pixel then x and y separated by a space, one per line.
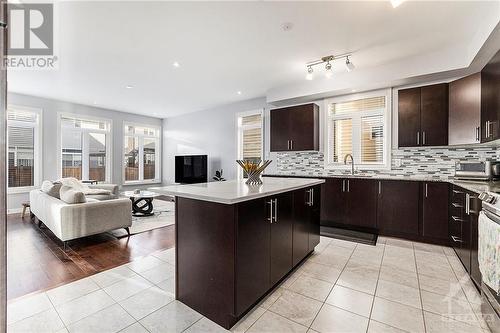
pixel 21 190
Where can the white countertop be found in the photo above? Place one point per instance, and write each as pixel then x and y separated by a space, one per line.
pixel 234 191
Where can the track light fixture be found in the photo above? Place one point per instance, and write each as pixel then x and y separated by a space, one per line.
pixel 328 67
pixel 309 75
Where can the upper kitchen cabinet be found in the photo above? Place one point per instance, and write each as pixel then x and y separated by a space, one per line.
pixel 465 110
pixel 423 116
pixel 295 128
pixel 490 100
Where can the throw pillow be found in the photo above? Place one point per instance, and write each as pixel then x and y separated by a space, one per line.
pixel 69 195
pixel 51 188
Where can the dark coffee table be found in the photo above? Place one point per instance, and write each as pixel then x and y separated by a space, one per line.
pixel 142 202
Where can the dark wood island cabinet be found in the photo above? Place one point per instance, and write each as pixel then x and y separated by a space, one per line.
pixel 235 242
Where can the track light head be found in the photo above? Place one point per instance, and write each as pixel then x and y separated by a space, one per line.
pixel 309 75
pixel 328 68
pixel 349 65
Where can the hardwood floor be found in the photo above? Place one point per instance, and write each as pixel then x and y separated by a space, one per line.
pixel 36 259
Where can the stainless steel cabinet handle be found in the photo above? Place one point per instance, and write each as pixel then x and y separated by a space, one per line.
pixel 487 125
pixel 418 138
pixel 343 185
pixel 309 201
pixel 379 187
pixel 288 144
pixel 467 203
pixel 426 189
pixel 478 138
pixel 348 183
pixel 312 197
pixel 270 218
pixel 456 205
pixel 456 219
pixel 275 210
pixel 457 192
pixel 456 239
pixel 423 138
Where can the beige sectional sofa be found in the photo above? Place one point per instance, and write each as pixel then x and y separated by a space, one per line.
pixel 100 213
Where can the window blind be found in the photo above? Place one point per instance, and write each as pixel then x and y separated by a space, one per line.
pixel 372 139
pixel 341 139
pixel 360 105
pixel 251 137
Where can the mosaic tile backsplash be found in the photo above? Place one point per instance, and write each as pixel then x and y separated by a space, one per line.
pixel 436 163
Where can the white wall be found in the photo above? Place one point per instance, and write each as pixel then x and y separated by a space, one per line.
pixel 211 132
pixel 50 109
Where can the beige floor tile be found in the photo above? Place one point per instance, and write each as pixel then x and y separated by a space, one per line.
pixel 338 251
pixel 482 316
pixel 472 294
pixel 294 276
pixel 319 271
pixel 398 315
pixel 431 248
pixel 205 325
pixel 250 318
pixel 112 276
pixel 135 328
pixel 331 319
pixel 84 306
pixel 351 300
pixel 272 297
pixel 28 306
pixel 311 287
pixel 71 291
pixel 174 317
pixel 449 288
pixel 401 276
pixel 399 293
pixel 144 264
pixel 166 256
pixel 43 322
pixel 109 320
pixel 395 263
pixel 329 259
pixel 449 307
pixel 168 285
pixel 128 287
pixel 449 252
pixel 396 242
pixel 159 273
pixel 273 323
pixel 358 282
pixel 372 261
pixel 362 269
pixel 376 327
pixel 436 271
pixel 343 243
pixel 438 324
pixel 296 307
pixel 145 302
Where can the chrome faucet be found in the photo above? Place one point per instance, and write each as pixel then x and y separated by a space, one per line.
pixel 352 162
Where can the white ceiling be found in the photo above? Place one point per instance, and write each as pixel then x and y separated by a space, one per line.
pixel 226 47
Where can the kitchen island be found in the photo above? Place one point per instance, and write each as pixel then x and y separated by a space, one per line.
pixel 235 242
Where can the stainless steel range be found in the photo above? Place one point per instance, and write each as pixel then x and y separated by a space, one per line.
pixel 490 216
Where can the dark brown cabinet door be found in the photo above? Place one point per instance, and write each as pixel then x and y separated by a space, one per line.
pixel 253 253
pixel 281 236
pixel 295 128
pixel 315 219
pixel 490 100
pixel 409 117
pixel 301 224
pixel 457 216
pixel 361 205
pixel 475 208
pixel 434 115
pixel 304 129
pixel 398 208
pixel 333 202
pixel 464 117
pixel 280 129
pixel 435 205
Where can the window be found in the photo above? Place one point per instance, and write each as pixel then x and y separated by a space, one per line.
pixel 24 142
pixel 85 148
pixel 141 153
pixel 359 125
pixel 250 136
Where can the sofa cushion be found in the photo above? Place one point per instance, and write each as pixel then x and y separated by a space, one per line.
pixel 51 188
pixel 71 196
pixel 101 197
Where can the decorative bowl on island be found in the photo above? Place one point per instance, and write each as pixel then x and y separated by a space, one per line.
pixel 253 169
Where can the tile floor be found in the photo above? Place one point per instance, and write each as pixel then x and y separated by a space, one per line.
pixel 397 286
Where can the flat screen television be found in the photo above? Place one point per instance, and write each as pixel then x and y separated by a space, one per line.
pixel 191 169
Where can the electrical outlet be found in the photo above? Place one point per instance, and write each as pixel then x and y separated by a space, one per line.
pixel 397 163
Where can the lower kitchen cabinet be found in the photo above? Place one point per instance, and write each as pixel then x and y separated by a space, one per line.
pixel 333 202
pixel 398 208
pixel 435 202
pixel 314 218
pixel 474 209
pixel 361 207
pixel 281 236
pixel 306 222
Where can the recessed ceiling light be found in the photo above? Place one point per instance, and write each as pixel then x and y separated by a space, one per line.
pixel 396 3
pixel 95 103
pixel 128 86
pixel 239 92
pixel 287 26
pixel 176 64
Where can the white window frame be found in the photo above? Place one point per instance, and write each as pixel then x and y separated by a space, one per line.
pixel 109 144
pixel 356 142
pixel 158 160
pixel 37 147
pixel 239 135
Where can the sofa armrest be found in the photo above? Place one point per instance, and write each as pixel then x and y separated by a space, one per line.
pixel 113 188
